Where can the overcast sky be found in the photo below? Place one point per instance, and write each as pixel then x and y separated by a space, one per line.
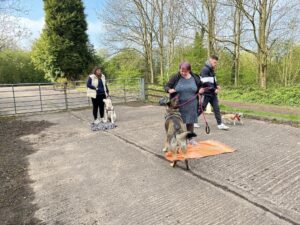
pixel 34 20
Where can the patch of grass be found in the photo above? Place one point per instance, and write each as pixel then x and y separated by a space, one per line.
pixel 290 117
pixel 286 96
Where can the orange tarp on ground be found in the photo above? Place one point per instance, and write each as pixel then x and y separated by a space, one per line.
pixel 202 149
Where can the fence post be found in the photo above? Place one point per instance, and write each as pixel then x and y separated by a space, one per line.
pixel 89 101
pixel 65 93
pixel 146 90
pixel 40 92
pixel 14 97
pixel 125 90
pixel 142 89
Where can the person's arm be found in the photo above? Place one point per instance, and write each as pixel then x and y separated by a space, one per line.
pixel 169 87
pixel 218 87
pixel 203 73
pixel 89 84
pixel 107 91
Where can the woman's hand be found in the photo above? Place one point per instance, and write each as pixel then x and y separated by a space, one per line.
pixel 218 89
pixel 201 91
pixel 171 91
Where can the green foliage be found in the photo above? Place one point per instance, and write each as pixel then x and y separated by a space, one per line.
pixel 126 64
pixel 276 96
pixel 195 54
pixel 16 67
pixel 63 49
pixel 284 68
pixel 224 68
pixel 248 69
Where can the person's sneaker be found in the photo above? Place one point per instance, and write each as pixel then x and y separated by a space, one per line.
pixel 97 121
pixel 196 125
pixel 222 126
pixel 192 141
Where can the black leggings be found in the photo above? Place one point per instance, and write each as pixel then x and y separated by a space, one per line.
pixel 190 127
pixel 98 103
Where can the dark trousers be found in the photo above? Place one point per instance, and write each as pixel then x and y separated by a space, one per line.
pixel 98 104
pixel 213 100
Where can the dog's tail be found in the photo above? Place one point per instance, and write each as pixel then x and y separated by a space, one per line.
pixel 186 135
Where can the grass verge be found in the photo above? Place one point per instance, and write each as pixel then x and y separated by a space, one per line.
pixel 276 117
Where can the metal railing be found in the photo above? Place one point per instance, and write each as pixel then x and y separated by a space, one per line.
pixel 44 97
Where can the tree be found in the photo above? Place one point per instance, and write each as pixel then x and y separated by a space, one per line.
pixel 150 27
pixel 210 7
pixel 201 15
pixel 16 67
pixel 126 64
pixel 130 27
pixel 63 48
pixel 266 21
pixel 11 31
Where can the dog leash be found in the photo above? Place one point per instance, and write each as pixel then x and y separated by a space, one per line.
pixel 186 102
pixel 200 109
pixel 207 128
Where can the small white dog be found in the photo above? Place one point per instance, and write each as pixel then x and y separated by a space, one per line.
pixel 233 118
pixel 110 113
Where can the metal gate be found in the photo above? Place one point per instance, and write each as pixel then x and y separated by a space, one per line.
pixel 44 97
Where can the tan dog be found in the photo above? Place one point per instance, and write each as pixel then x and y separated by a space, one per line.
pixel 110 114
pixel 233 118
pixel 177 134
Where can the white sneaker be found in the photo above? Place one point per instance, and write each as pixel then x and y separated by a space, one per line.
pixel 192 141
pixel 196 125
pixel 97 121
pixel 222 126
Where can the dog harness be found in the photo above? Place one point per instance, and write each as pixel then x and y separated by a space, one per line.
pixel 174 114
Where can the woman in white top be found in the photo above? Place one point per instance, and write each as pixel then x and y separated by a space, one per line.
pixel 97 90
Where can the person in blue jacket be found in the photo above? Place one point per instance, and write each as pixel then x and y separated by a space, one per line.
pixel 97 90
pixel 211 89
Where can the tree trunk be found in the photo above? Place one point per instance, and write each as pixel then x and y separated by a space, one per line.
pixel 161 37
pixel 237 41
pixel 210 6
pixel 262 46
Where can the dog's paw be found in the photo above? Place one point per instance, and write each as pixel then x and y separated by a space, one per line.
pixel 165 149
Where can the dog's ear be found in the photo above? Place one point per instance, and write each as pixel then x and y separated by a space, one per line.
pixel 191 135
pixel 182 136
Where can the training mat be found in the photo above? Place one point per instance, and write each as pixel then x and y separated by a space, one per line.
pixel 202 149
pixel 102 126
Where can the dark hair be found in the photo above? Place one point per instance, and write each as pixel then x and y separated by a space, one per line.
pixel 214 57
pixel 95 69
pixel 185 65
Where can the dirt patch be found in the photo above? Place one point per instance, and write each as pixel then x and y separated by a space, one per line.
pixel 16 195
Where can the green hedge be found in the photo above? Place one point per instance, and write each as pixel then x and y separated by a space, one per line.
pixel 276 96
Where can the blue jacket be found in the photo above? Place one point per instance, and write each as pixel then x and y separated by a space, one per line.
pixel 100 89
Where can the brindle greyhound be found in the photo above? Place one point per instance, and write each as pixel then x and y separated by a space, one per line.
pixel 177 134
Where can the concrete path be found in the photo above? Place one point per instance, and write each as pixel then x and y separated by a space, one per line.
pixel 120 176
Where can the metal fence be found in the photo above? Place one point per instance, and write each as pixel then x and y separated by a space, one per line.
pixel 44 97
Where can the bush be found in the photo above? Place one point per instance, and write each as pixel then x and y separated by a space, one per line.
pixel 16 67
